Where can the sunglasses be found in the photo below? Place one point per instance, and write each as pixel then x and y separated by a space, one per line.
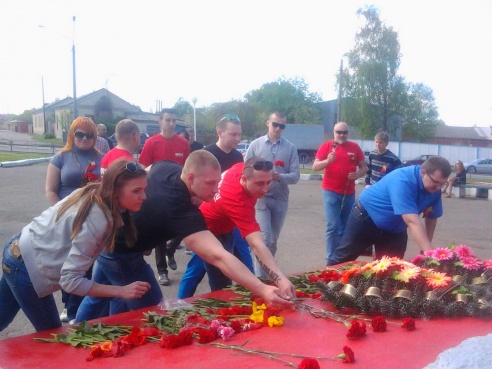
pixel 132 167
pixel 81 135
pixel 341 132
pixel 229 117
pixel 262 165
pixel 278 125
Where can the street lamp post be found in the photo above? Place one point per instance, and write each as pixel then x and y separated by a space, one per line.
pixel 194 115
pixel 75 112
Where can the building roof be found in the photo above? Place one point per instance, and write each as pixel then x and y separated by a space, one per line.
pixel 473 133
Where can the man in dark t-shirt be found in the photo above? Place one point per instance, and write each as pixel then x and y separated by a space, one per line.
pixel 169 212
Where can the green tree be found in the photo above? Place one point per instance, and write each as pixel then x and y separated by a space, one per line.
pixel 183 109
pixel 290 96
pixel 380 97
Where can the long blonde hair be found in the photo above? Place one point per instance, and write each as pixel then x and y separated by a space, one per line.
pixel 102 194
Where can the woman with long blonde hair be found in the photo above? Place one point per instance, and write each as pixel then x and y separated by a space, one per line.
pixel 56 249
pixel 459 178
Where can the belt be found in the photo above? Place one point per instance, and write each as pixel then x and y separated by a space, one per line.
pixel 15 249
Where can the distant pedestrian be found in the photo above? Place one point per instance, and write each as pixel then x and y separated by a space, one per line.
pixel 381 160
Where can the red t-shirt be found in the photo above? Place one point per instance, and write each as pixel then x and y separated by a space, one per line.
pixel 112 155
pixel 347 158
pixel 158 148
pixel 231 207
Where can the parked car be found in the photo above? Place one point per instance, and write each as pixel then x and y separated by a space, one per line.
pixel 143 137
pixel 417 161
pixel 242 148
pixel 483 165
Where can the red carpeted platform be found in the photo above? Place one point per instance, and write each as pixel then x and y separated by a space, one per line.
pixel 301 334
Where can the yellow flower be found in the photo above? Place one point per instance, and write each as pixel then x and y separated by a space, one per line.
pixel 258 312
pixel 406 274
pixel 383 264
pixel 437 279
pixel 276 321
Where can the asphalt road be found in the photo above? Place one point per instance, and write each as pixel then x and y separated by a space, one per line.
pixel 301 244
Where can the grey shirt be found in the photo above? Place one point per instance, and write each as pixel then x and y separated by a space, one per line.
pixel 286 153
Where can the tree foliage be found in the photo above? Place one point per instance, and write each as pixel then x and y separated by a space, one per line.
pixel 380 99
pixel 290 96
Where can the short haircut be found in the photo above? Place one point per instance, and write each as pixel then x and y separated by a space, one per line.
pixel 382 136
pixel 437 163
pixel 248 169
pixel 222 123
pixel 200 159
pixel 185 134
pixel 278 114
pixel 125 127
pixel 168 111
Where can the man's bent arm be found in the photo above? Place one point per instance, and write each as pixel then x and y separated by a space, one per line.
pixel 418 232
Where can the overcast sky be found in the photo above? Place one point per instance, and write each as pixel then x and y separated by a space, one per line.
pixel 217 50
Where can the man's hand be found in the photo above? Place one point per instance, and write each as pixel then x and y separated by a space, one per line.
pixel 275 176
pixel 274 297
pixel 287 289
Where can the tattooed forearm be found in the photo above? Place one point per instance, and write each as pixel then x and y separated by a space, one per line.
pixel 269 272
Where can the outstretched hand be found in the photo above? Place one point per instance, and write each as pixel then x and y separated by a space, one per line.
pixel 273 296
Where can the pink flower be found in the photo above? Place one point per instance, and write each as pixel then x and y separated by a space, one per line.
pixel 429 253
pixel 418 259
pixel 463 251
pixel 215 324
pixel 487 263
pixel 442 254
pixel 226 332
pixel 471 263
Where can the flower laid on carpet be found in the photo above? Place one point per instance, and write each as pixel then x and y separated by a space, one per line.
pixel 447 281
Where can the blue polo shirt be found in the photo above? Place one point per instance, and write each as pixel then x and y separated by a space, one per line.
pixel 399 192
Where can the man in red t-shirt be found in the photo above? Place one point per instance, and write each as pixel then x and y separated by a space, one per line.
pixel 343 162
pixel 128 137
pixel 234 206
pixel 165 146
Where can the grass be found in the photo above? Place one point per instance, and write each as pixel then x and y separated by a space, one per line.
pixel 12 156
pixel 40 138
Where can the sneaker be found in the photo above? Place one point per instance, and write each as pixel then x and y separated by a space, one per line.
pixel 172 263
pixel 64 316
pixel 188 251
pixel 163 279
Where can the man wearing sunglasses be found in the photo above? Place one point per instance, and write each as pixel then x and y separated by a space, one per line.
pixel 234 206
pixel 165 146
pixel 385 210
pixel 343 163
pixel 271 209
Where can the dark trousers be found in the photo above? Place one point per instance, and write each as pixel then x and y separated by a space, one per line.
pixel 168 249
pixel 361 232
pixel 71 301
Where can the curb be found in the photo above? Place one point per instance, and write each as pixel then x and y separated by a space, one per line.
pixel 22 163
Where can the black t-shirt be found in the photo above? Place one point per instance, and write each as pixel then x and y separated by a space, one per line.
pixel 166 213
pixel 196 146
pixel 226 160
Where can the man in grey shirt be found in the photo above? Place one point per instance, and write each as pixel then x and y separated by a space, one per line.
pixel 271 210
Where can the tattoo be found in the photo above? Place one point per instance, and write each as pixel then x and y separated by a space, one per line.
pixel 269 272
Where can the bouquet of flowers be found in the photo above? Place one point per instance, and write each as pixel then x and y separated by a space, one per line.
pixel 89 175
pixel 443 282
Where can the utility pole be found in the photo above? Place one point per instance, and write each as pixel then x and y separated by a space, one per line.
pixel 339 102
pixel 46 128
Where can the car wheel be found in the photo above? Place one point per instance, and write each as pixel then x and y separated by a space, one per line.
pixel 472 169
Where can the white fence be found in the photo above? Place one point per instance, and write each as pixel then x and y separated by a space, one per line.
pixel 409 150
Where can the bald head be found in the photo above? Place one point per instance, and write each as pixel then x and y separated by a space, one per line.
pixel 340 132
pixel 102 131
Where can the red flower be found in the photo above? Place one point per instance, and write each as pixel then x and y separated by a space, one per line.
pixel 350 357
pixel 309 363
pixel 90 177
pixel 378 324
pixel 384 169
pixel 428 211
pixel 279 163
pixel 357 329
pixel 408 324
pixel 206 335
pixel 173 341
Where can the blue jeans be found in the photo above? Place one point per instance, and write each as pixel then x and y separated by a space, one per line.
pixel 216 279
pixel 361 232
pixel 195 269
pixel 120 269
pixel 337 209
pixel 270 215
pixel 17 292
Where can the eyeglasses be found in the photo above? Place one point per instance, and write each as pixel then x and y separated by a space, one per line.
pixel 132 167
pixel 261 165
pixel 341 132
pixel 278 125
pixel 81 135
pixel 437 183
pixel 229 117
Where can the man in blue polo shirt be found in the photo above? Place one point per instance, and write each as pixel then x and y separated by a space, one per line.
pixel 386 209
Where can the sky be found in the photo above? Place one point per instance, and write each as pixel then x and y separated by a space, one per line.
pixel 217 50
